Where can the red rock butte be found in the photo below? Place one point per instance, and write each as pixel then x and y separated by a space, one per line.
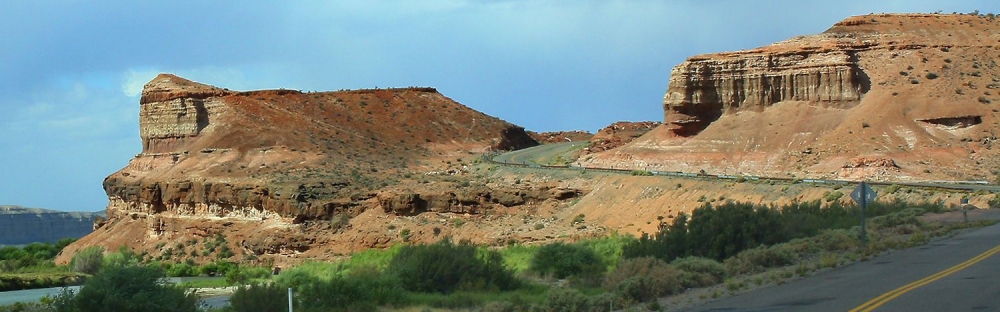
pixel 919 91
pixel 286 156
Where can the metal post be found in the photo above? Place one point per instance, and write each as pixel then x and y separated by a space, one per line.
pixel 289 299
pixel 864 204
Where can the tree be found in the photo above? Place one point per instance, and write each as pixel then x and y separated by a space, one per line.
pixel 565 260
pixel 128 288
pixel 88 260
pixel 445 267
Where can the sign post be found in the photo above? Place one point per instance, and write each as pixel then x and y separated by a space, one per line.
pixel 965 211
pixel 863 195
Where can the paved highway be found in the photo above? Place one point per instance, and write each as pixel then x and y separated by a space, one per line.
pixel 537 156
pixel 953 274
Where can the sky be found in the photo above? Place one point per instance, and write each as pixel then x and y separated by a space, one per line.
pixel 71 71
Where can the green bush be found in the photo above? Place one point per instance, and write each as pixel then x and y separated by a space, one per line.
pixel 89 260
pixel 758 259
pixel 643 279
pixel 564 260
pixel 243 275
pixel 363 289
pixel 122 257
pixel 445 267
pixel 260 298
pixel 130 288
pixel 567 300
pixel 720 232
pixel 700 272
pixel 181 270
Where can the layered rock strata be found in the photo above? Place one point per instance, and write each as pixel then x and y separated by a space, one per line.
pixel 917 89
pixel 222 162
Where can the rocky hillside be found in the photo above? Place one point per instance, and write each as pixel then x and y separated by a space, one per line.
pixel 619 134
pixel 259 166
pixel 560 136
pixel 882 97
pixel 20 225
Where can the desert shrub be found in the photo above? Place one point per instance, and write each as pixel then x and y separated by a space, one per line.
pixel 243 275
pixel 833 196
pixel 720 232
pixel 181 270
pixel 759 259
pixel 699 272
pixel 445 267
pixel 26 307
pixel 363 289
pixel 609 249
pixel 564 260
pixel 122 257
pixel 641 173
pixel 260 297
pixel 209 269
pixel 833 240
pixel 566 299
pixel 905 217
pixel 339 221
pixel 644 279
pixel 88 260
pixel 129 288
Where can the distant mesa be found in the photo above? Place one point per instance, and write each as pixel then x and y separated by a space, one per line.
pixel 915 90
pixel 21 225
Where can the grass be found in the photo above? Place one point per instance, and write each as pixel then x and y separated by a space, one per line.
pixel 21 281
pixel 205 283
pixel 830 248
pixel 533 294
pixel 517 257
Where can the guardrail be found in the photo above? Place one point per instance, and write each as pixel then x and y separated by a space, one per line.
pixel 953 185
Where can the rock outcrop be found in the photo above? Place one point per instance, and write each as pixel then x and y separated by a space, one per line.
pixel 619 134
pixel 561 136
pixel 704 87
pixel 283 158
pixel 264 154
pixel 20 225
pixel 917 89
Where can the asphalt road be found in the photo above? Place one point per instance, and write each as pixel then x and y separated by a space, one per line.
pixel 945 275
pixel 535 155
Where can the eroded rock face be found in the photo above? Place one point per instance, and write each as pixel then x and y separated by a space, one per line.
pixel 916 88
pixel 282 153
pixel 704 87
pixel 218 161
pixel 473 201
pixel 561 136
pixel 619 134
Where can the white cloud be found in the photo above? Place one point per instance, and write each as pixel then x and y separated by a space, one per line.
pixel 133 80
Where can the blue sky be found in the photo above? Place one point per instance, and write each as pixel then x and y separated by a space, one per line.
pixel 71 71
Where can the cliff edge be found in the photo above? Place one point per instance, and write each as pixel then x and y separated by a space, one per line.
pixel 882 97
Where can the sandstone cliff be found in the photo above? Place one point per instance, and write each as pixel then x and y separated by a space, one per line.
pixel 619 134
pixel 20 225
pixel 914 90
pixel 259 167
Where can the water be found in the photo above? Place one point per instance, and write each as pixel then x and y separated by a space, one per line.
pixel 31 295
